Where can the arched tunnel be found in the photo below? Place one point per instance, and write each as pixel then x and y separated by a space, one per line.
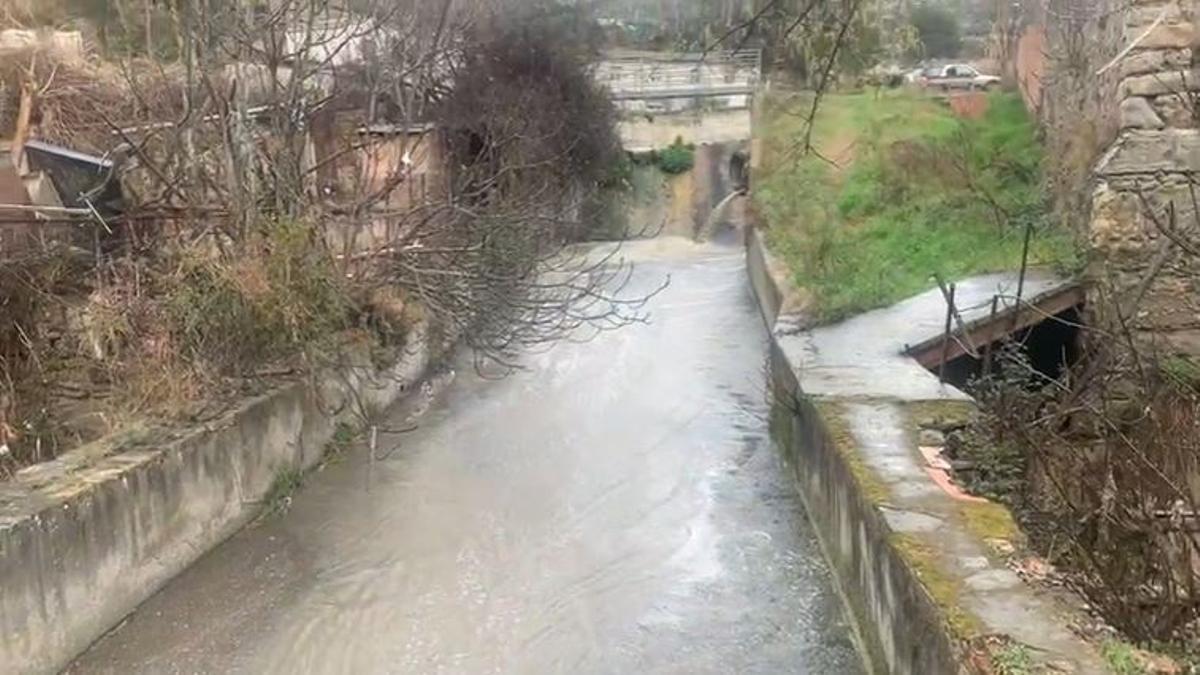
pixel 722 178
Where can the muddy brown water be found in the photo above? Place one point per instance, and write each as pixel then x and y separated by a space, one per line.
pixel 616 507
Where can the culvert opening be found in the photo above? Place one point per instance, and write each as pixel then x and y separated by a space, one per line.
pixel 1050 346
pixel 739 177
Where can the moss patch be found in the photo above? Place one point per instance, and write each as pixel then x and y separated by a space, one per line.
pixel 942 415
pixel 870 484
pixel 994 524
pixel 943 588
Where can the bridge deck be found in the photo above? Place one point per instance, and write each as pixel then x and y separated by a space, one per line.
pixel 699 91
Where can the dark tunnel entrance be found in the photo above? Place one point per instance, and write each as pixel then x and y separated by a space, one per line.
pixel 739 174
pixel 1050 346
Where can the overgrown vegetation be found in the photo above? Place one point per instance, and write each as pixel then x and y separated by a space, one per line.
pixel 1099 462
pixel 1097 475
pixel 900 189
pixel 281 296
pixel 266 229
pixel 677 158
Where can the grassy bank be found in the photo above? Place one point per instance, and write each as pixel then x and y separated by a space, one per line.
pixel 899 189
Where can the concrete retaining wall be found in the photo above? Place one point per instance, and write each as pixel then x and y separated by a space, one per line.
pixel 923 567
pixel 684 203
pixel 86 538
pixel 900 629
pixel 767 290
pixel 898 626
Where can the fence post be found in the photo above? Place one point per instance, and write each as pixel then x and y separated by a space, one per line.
pixel 946 335
pixel 987 348
pixel 1021 279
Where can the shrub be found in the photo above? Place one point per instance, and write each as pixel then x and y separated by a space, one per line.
pixel 281 298
pixel 677 158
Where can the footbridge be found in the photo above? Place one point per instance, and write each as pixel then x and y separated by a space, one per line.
pixel 699 97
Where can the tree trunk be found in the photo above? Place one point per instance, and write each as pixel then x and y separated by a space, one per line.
pixel 24 119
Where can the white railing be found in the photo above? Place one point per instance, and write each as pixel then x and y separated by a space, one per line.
pixel 647 74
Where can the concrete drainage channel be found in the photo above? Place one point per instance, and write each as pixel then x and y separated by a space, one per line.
pixel 85 538
pixel 921 565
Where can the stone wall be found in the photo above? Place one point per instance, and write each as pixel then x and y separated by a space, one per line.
pixel 1148 167
pixel 1117 97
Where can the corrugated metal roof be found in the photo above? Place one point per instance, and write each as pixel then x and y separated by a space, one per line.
pixel 68 153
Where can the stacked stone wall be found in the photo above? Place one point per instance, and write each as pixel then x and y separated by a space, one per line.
pixel 1146 174
pixel 1119 100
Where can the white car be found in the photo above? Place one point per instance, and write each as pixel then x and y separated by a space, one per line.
pixel 958 76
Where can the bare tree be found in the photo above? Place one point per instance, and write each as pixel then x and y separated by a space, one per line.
pixel 1109 449
pixel 296 164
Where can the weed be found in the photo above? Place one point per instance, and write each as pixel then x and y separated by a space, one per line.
pixel 1121 657
pixel 343 437
pixel 1013 659
pixel 279 496
pixel 1183 371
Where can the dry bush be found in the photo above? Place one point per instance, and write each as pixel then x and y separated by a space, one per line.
pixel 31 288
pixel 1107 474
pixel 278 296
pixel 1110 451
pixel 214 277
pixel 159 335
pixel 530 138
pixel 77 101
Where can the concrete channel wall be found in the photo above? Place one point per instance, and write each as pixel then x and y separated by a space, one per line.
pixel 86 538
pixel 925 568
pixel 899 627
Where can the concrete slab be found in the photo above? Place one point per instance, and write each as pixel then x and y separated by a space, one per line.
pixel 865 356
pixel 643 133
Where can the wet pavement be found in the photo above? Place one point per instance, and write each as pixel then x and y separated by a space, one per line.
pixel 617 507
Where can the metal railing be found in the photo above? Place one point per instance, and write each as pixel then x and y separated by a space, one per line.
pixel 658 75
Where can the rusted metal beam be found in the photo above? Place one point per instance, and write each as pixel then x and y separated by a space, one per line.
pixel 989 329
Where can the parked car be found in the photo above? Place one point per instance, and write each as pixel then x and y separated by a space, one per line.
pixel 916 76
pixel 958 76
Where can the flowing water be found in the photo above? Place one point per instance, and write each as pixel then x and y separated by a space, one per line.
pixel 617 507
pixel 717 217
